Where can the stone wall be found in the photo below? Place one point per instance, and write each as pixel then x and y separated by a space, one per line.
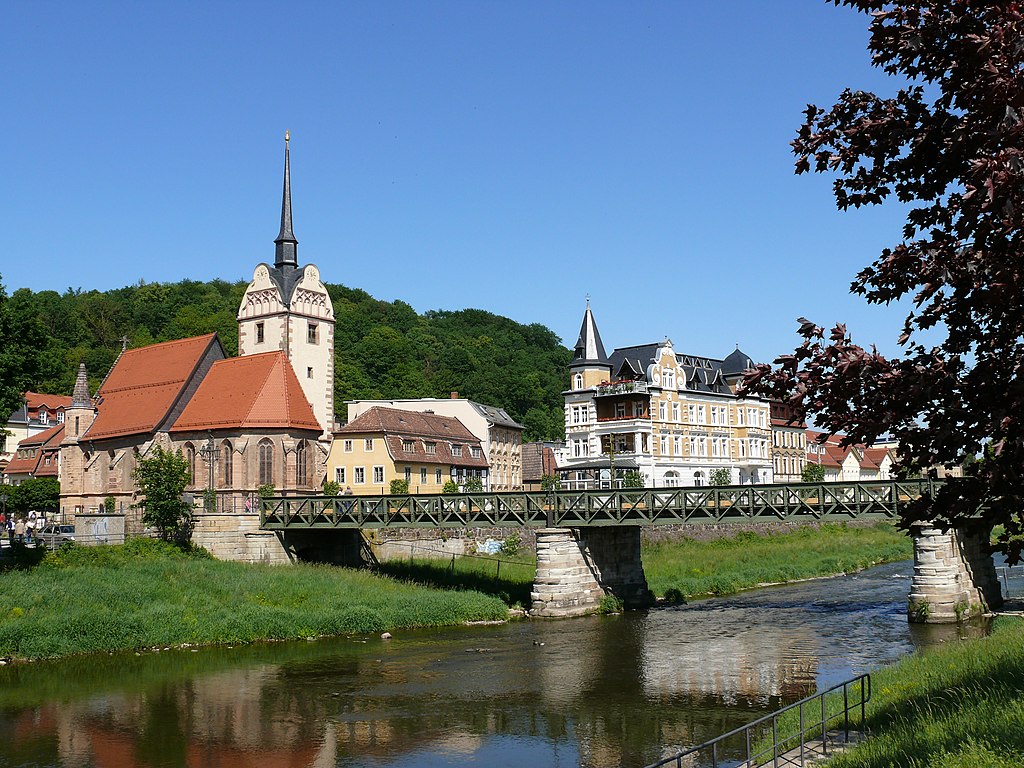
pixel 954 576
pixel 232 536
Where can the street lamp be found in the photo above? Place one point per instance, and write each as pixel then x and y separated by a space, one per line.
pixel 209 453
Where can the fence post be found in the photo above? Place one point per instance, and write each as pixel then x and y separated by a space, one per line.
pixel 846 715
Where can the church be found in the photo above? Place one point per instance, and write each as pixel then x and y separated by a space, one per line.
pixel 262 419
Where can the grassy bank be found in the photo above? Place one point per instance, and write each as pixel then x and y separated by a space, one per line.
pixel 959 705
pixel 687 568
pixel 690 568
pixel 147 594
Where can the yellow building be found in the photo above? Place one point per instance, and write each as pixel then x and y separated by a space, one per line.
pixel 424 449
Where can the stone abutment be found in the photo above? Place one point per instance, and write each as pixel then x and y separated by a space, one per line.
pixel 954 576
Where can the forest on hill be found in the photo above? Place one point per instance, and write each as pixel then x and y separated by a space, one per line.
pixel 382 349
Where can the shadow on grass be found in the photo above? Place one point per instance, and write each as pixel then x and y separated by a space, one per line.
pixel 20 557
pixel 510 582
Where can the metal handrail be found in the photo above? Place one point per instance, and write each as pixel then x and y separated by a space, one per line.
pixel 776 753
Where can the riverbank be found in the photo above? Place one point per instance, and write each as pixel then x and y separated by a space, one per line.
pixel 959 705
pixel 147 594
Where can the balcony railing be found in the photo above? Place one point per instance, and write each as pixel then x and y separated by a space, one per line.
pixel 621 388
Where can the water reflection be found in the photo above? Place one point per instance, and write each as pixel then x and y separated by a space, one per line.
pixel 594 692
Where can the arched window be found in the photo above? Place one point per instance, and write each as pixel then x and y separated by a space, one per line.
pixel 266 456
pixel 578 381
pixel 698 478
pixel 190 459
pixel 671 479
pixel 226 468
pixel 301 477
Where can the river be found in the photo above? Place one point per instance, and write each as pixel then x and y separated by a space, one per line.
pixel 595 692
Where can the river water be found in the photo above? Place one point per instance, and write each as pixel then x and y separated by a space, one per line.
pixel 597 691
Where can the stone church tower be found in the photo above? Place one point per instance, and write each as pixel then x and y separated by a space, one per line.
pixel 286 307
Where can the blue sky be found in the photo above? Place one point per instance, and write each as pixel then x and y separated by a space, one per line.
pixel 513 157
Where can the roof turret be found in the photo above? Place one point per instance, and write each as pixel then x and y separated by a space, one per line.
pixel 285 243
pixel 589 347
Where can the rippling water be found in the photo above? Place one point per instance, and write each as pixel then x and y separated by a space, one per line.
pixel 596 692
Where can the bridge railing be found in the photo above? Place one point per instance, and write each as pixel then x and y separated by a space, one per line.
pixel 825 717
pixel 624 506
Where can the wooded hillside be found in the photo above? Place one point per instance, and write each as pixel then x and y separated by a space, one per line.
pixel 382 349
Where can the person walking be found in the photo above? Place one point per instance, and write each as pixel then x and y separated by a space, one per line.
pixel 10 529
pixel 19 530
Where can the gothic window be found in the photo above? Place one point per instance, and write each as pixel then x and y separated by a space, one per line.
pixel 226 468
pixel 301 473
pixel 266 462
pixel 311 333
pixel 190 459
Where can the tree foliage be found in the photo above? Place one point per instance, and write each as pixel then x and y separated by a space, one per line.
pixel 949 145
pixel 161 479
pixel 22 339
pixel 812 473
pixel 720 476
pixel 41 494
pixel 382 349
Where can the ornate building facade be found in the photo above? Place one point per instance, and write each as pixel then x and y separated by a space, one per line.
pixel 673 418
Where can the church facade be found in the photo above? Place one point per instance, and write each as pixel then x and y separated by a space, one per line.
pixel 264 418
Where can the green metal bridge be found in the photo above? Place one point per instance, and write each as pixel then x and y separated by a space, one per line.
pixel 833 502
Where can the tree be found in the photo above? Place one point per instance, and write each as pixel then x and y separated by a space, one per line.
pixel 720 476
pixel 550 483
pixel 22 340
pixel 399 487
pixel 950 144
pixel 161 479
pixel 473 485
pixel 41 494
pixel 632 479
pixel 812 473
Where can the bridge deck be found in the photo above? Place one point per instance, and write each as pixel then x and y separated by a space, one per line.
pixel 627 506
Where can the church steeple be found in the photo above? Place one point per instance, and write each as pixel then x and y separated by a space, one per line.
pixel 80 397
pixel 285 243
pixel 589 348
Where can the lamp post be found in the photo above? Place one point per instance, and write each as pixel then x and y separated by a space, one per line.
pixel 209 453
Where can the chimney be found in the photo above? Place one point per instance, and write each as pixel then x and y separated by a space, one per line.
pixel 455 395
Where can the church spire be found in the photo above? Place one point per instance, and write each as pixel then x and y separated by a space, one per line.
pixel 589 348
pixel 80 397
pixel 285 243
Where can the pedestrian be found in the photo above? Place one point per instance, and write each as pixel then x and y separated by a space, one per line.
pixel 30 527
pixel 10 529
pixel 19 530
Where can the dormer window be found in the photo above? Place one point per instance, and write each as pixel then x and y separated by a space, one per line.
pixel 60 417
pixel 44 417
pixel 408 446
pixel 430 448
pixel 456 450
pixel 474 451
pixel 669 376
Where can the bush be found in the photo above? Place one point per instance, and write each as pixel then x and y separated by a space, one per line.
pixel 610 604
pixel 720 476
pixel 399 487
pixel 632 479
pixel 331 488
pixel 474 485
pixel 450 486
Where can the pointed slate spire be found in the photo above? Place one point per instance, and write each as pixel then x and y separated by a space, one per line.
pixel 285 243
pixel 589 347
pixel 80 397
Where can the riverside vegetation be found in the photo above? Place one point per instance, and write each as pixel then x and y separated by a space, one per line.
pixel 147 593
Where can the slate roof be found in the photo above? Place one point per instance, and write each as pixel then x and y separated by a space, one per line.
pixel 703 374
pixel 397 426
pixel 144 385
pixel 497 416
pixel 537 460
pixel 589 347
pixel 251 392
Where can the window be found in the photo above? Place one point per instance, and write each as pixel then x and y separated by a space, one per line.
pixel 638 410
pixel 408 446
pixel 301 474
pixel 226 468
pixel 578 381
pixel 474 451
pixel 266 462
pixel 714 414
pixel 378 475
pixel 311 333
pixel 309 373
pixel 339 475
pixel 743 448
pixel 691 412
pixel 664 445
pixel 437 476
pixel 359 475
pixel 739 416
pixel 423 475
pixel 408 474
pixel 620 410
pixel 60 417
pixel 693 446
pixel 662 411
pixel 259 333
pixel 456 450
pixel 368 444
pixel 669 377
pixel 348 446
pixel 677 445
pixel 44 417
pixel 190 458
pixel 430 448
pixel 698 478
pixel 580 414
pixel 702 417
pixel 675 411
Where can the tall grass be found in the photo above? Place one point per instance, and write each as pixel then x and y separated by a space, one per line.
pixel 146 594
pixel 509 580
pixel 721 567
pixel 954 706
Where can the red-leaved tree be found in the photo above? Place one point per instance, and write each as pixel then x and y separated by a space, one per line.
pixel 950 145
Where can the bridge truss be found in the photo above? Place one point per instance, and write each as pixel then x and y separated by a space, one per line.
pixel 833 502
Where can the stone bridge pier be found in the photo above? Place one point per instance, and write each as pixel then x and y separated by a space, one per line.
pixel 954 576
pixel 576 567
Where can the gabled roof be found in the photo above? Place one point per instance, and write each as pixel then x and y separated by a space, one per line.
pixel 396 425
pixel 538 460
pixel 251 392
pixel 50 402
pixel 497 416
pixel 144 385
pixel 45 443
pixel 702 373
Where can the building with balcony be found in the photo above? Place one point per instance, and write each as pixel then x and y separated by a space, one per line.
pixel 672 418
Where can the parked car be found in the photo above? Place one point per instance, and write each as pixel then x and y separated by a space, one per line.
pixel 53 535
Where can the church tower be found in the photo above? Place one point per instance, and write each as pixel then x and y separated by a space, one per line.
pixel 287 308
pixel 590 365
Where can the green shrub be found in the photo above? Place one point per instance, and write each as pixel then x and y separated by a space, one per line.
pixel 450 486
pixel 399 487
pixel 610 604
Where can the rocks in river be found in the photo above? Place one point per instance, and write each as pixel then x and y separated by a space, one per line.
pixel 385 636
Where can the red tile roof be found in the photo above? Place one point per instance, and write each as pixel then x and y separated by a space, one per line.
pixel 52 402
pixel 44 443
pixel 144 385
pixel 254 392
pixel 398 426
